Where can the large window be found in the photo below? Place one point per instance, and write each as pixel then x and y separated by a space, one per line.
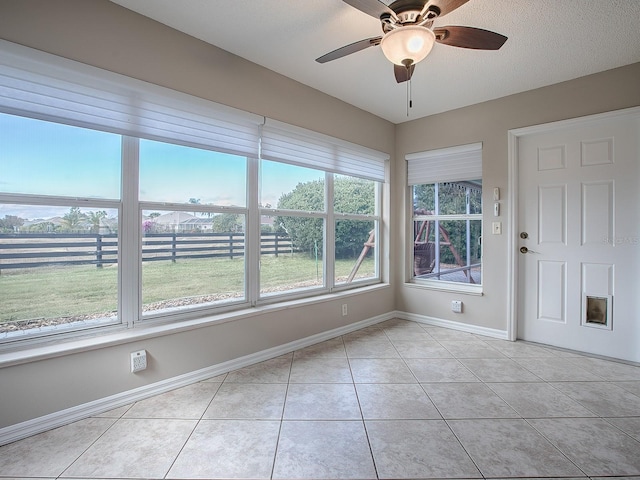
pixel 58 226
pixel 446 226
pixel 292 232
pixel 122 202
pixel 192 251
pixel 356 229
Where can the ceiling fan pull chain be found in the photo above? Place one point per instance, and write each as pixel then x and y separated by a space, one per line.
pixel 409 92
pixel 408 97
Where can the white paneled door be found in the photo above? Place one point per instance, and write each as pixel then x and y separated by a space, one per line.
pixel 578 234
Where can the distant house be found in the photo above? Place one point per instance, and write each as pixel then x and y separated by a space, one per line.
pixel 45 225
pixel 197 224
pixel 181 222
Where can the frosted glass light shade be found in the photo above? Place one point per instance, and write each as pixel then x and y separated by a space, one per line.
pixel 411 42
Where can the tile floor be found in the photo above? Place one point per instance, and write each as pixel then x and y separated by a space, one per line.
pixel 395 400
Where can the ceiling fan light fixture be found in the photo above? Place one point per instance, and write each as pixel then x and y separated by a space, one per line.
pixel 407 45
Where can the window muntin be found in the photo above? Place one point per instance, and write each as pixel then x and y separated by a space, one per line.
pixel 45 158
pixel 447 232
pixel 58 267
pixel 178 174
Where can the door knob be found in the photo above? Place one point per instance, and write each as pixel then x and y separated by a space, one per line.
pixel 526 250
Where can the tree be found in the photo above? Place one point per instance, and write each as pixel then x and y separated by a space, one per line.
pixel 351 195
pixel 226 223
pixel 9 223
pixel 74 218
pixel 95 218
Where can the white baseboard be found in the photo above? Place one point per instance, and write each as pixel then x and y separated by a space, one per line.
pixel 34 426
pixel 464 327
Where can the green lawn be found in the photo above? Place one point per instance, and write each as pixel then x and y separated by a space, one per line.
pixel 54 292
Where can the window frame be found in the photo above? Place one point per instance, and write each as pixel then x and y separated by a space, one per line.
pixel 436 283
pixel 72 328
pixel 23 62
pixel 446 165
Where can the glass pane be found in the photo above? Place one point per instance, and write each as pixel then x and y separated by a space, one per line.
pixel 177 174
pixel 475 197
pixel 291 187
pixel 354 195
pixel 424 199
pixel 43 158
pixel 355 250
pixel 460 251
pixel 453 197
pixel 424 247
pixel 58 267
pixel 191 259
pixel 291 254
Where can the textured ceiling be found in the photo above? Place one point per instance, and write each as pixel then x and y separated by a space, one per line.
pixel 550 41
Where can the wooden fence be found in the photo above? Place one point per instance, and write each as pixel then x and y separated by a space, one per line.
pixel 46 249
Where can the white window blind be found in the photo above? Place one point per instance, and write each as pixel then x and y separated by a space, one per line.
pixel 44 86
pixel 297 146
pixel 459 163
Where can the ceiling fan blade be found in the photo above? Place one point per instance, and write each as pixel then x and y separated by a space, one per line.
pixel 349 49
pixel 403 73
pixel 469 37
pixel 375 8
pixel 443 6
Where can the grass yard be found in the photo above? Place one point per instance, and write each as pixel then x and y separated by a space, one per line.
pixel 73 291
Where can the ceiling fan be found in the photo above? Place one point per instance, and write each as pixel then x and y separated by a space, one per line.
pixel 409 34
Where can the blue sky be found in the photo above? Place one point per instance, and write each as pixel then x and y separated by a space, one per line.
pixel 45 158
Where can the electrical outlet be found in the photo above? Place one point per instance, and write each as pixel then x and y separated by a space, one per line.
pixel 344 310
pixel 138 361
pixel 456 306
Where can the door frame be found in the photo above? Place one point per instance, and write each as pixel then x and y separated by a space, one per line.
pixel 514 136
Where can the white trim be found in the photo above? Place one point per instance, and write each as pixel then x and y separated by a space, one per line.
pixel 575 122
pixel 34 426
pixel 129 251
pixel 444 286
pixel 512 240
pixel 512 198
pixel 462 327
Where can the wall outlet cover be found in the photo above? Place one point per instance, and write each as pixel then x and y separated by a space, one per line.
pixel 138 361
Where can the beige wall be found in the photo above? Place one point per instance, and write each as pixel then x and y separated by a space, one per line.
pixel 489 123
pixel 102 34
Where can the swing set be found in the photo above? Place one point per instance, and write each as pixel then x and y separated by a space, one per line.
pixel 424 253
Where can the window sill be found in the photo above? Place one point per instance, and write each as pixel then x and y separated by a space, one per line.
pixel 447 287
pixel 57 348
